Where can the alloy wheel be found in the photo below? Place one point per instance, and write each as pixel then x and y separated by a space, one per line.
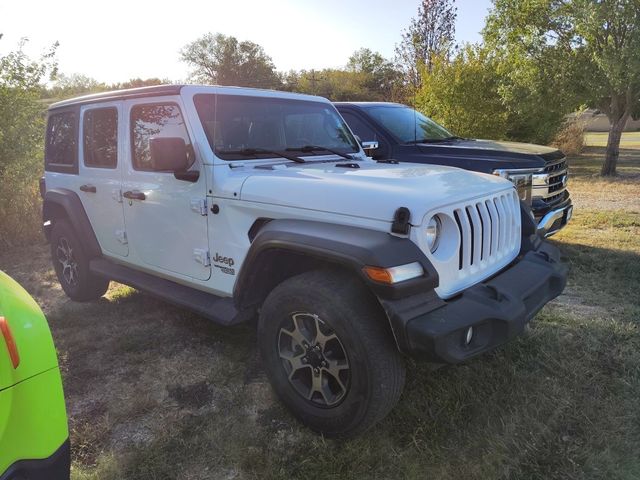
pixel 314 359
pixel 66 258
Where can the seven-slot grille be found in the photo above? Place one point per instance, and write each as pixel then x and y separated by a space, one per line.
pixel 489 229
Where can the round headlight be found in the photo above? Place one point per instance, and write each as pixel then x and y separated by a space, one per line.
pixel 432 232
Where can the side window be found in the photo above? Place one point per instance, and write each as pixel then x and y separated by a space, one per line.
pixel 153 121
pixel 100 142
pixel 359 128
pixel 61 145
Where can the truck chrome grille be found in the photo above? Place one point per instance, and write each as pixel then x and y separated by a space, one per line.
pixel 488 229
pixel 551 182
pixel 556 167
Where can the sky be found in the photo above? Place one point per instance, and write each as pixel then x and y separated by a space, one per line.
pixel 142 39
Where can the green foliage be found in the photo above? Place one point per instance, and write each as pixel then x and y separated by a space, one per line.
pixel 463 94
pixel 331 83
pixel 563 53
pixel 74 85
pixel 368 76
pixel 223 60
pixel 21 137
pixel 380 78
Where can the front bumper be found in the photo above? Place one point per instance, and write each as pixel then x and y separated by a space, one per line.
pixel 497 309
pixel 552 219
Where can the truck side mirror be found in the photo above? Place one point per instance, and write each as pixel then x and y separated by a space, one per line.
pixel 169 154
pixel 369 147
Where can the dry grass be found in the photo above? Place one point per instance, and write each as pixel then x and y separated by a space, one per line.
pixel 154 392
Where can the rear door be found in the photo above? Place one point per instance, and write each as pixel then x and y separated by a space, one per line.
pixel 165 216
pixel 100 165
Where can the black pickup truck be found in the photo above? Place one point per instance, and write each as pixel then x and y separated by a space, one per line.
pixel 391 131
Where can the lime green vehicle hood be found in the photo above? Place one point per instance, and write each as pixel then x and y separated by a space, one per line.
pixel 33 420
pixel 30 333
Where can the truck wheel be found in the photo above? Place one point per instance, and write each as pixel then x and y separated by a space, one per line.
pixel 72 265
pixel 329 353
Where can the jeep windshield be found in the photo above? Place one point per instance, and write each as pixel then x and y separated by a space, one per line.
pixel 240 127
pixel 408 125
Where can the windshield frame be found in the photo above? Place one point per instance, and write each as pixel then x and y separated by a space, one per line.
pixel 207 100
pixel 415 136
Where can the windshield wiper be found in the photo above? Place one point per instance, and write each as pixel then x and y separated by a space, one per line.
pixel 258 151
pixel 317 148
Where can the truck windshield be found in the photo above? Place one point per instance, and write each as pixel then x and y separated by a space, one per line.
pixel 241 127
pixel 407 124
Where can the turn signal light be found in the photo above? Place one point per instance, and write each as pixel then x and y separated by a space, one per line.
pixel 393 275
pixel 11 344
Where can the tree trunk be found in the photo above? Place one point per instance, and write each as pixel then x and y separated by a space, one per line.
pixel 613 145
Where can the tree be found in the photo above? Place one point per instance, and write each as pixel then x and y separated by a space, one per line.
pixel 223 60
pixel 334 84
pixel 21 134
pixel 139 82
pixel 463 94
pixel 67 86
pixel 596 41
pixel 431 34
pixel 381 78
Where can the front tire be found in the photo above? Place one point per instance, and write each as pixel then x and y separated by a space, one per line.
pixel 72 265
pixel 329 353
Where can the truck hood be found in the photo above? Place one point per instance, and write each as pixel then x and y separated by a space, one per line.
pixel 487 155
pixel 372 191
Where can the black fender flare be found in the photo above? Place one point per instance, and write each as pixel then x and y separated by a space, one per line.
pixel 57 200
pixel 351 248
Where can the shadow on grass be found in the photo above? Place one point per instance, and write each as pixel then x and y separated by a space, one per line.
pixel 605 277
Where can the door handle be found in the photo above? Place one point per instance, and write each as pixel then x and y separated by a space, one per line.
pixel 88 188
pixel 134 195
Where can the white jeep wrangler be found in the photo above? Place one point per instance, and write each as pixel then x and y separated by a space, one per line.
pixel 243 204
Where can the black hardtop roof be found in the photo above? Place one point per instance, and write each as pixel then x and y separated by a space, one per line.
pixel 155 90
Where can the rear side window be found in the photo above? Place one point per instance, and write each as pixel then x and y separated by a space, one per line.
pixel 154 121
pixel 100 137
pixel 61 150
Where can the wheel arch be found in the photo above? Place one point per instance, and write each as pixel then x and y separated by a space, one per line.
pixel 285 248
pixel 61 203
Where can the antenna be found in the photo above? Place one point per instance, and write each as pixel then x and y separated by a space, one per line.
pixel 415 117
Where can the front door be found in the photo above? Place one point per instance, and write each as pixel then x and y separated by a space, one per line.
pixel 102 150
pixel 165 219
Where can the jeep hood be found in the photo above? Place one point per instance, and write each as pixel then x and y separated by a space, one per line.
pixel 372 191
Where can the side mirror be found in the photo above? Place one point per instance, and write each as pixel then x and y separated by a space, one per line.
pixel 369 147
pixel 169 154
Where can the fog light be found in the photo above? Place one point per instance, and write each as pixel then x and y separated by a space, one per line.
pixel 468 336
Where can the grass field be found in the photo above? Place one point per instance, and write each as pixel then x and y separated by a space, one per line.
pixel 154 392
pixel 599 139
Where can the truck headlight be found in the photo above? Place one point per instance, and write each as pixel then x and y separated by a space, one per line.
pixel 523 181
pixel 432 233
